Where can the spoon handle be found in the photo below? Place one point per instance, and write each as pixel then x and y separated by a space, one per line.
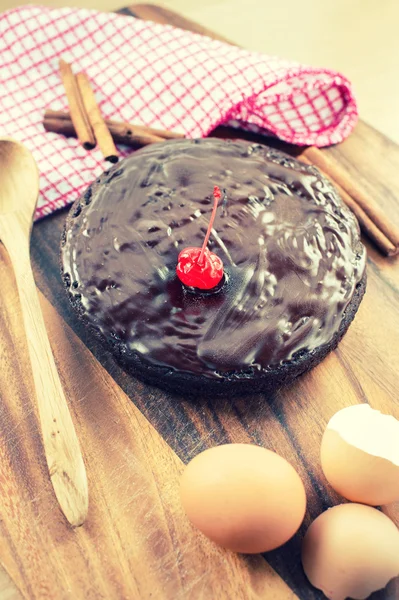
pixel 61 445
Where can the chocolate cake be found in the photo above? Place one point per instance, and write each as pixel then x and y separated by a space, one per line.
pixel 294 266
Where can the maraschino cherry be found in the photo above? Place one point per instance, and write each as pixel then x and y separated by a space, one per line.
pixel 199 267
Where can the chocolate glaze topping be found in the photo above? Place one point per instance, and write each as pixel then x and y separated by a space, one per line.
pixel 291 253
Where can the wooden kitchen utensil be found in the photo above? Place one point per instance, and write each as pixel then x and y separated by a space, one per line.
pixel 19 188
pixel 137 542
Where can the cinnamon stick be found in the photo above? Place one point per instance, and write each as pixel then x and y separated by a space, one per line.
pixel 366 224
pixel 122 133
pixel 364 200
pixel 127 131
pixel 139 129
pixel 372 219
pixel 78 115
pixel 100 129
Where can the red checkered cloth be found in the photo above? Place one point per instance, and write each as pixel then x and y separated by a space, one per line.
pixel 154 75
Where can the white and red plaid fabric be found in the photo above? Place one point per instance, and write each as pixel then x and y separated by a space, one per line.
pixel 155 75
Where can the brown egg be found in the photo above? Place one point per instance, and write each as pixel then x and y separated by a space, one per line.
pixel 243 497
pixel 360 455
pixel 351 551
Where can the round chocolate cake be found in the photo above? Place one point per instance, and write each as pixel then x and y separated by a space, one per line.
pixel 294 266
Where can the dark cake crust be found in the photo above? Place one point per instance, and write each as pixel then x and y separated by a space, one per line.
pixel 248 380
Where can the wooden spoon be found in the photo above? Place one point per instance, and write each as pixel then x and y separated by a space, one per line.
pixel 19 188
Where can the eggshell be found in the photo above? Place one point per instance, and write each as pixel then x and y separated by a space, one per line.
pixel 351 551
pixel 243 497
pixel 360 455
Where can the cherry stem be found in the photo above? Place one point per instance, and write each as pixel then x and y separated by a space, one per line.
pixel 216 198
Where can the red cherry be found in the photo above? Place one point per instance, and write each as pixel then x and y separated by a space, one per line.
pixel 191 272
pixel 199 267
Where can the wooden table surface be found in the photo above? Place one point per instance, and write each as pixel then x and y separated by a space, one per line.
pixel 136 542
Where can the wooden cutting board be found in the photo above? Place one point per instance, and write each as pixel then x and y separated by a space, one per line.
pixel 137 542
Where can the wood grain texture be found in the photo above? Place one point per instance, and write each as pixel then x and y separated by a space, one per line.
pixel 136 542
pixel 128 458
pixel 18 196
pixel 8 589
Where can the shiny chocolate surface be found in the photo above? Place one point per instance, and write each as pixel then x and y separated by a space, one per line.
pixel 291 252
